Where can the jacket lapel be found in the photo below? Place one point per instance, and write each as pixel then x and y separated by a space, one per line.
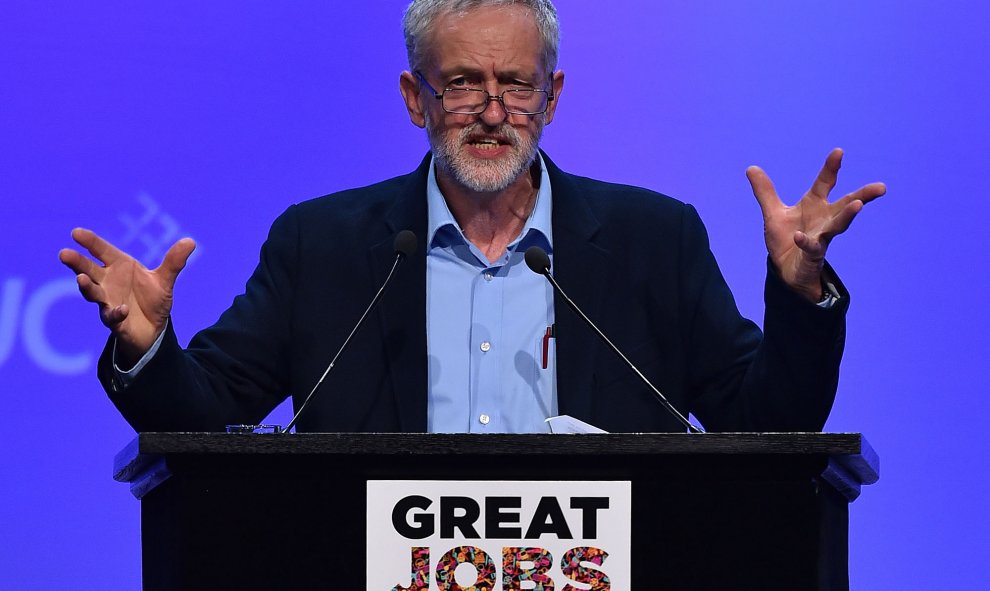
pixel 581 267
pixel 403 308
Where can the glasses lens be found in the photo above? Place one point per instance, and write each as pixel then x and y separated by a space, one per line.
pixel 526 102
pixel 463 100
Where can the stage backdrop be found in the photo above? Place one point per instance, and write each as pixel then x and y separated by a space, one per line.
pixel 148 121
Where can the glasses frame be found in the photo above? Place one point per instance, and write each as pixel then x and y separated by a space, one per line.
pixel 488 98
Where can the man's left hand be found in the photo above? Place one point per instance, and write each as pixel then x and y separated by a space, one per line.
pixel 797 237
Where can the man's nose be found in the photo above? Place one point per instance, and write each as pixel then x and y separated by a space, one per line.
pixel 494 113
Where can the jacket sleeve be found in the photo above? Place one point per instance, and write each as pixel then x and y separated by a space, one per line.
pixel 782 380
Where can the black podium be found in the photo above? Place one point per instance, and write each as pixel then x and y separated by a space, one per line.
pixel 712 511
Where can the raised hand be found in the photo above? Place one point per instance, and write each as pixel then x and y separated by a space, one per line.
pixel 798 236
pixel 134 302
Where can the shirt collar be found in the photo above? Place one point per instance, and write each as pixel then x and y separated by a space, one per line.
pixel 440 217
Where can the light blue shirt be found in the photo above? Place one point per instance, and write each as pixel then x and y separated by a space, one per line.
pixel 486 325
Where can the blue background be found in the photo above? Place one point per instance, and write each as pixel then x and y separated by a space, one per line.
pixel 147 121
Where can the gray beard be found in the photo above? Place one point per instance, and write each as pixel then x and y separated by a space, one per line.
pixel 483 176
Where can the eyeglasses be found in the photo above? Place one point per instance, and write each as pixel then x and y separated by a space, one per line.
pixel 474 101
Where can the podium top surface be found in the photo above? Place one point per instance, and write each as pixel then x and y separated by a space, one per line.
pixel 850 451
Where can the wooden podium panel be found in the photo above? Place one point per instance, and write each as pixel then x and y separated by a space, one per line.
pixel 709 511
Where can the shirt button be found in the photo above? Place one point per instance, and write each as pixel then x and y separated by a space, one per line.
pixel 485 346
pixel 485 419
pixel 488 276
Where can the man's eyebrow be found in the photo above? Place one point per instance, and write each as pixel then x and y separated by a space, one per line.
pixel 455 71
pixel 504 76
pixel 518 75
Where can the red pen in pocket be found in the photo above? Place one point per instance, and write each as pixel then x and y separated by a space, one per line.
pixel 546 345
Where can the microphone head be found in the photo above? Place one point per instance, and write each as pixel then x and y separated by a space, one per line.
pixel 405 243
pixel 537 260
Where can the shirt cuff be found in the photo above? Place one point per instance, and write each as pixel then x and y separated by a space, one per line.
pixel 122 378
pixel 830 296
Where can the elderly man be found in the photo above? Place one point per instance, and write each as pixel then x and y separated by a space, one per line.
pixel 467 338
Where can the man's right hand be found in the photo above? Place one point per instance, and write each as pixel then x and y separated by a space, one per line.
pixel 135 302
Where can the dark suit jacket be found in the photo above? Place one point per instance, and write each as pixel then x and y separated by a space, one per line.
pixel 637 262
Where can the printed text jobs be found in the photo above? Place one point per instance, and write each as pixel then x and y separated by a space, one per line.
pixel 524 566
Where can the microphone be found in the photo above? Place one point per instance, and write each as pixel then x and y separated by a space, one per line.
pixel 539 262
pixel 404 246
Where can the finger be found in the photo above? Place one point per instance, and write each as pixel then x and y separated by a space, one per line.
pixel 841 221
pixel 866 193
pixel 828 174
pixel 97 246
pixel 80 264
pixel 813 248
pixel 115 315
pixel 763 190
pixel 90 290
pixel 175 260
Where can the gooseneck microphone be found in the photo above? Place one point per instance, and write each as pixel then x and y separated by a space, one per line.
pixel 404 246
pixel 538 262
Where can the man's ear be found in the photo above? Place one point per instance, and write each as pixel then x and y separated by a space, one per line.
pixel 557 83
pixel 409 87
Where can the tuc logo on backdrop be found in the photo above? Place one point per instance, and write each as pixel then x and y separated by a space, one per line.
pixel 498 535
pixel 25 311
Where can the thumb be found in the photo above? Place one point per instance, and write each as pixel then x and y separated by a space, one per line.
pixel 763 189
pixel 175 260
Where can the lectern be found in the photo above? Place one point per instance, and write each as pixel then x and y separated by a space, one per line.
pixel 708 511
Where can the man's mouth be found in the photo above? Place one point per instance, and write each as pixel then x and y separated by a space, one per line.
pixel 486 143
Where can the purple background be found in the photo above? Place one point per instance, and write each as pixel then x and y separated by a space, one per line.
pixel 146 121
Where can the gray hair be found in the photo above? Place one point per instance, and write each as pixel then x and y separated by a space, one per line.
pixel 421 14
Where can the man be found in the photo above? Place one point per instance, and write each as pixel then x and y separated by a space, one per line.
pixel 468 339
